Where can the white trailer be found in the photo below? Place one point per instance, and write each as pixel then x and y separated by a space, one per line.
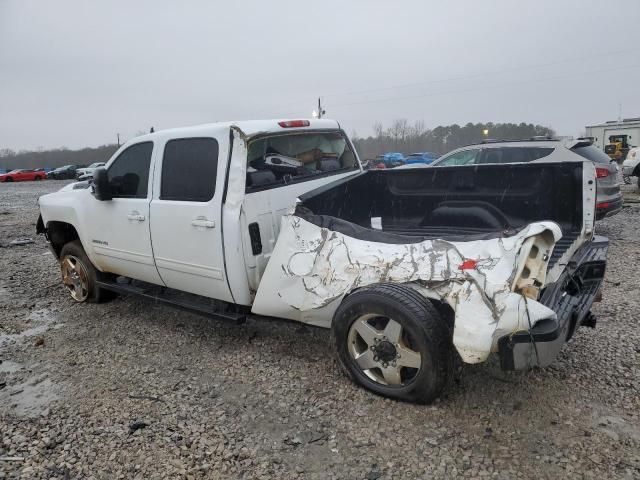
pixel 602 131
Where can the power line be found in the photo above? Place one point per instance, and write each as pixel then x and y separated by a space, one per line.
pixel 477 75
pixel 486 87
pixel 465 77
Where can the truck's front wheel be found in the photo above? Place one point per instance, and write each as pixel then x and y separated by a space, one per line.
pixel 392 341
pixel 79 275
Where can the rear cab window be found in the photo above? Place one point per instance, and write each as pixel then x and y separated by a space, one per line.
pixel 281 159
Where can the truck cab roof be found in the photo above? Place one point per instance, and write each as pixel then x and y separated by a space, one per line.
pixel 250 128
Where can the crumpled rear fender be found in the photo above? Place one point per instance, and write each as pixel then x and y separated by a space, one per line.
pixel 312 269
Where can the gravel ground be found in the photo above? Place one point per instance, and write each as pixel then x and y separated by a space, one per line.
pixel 130 389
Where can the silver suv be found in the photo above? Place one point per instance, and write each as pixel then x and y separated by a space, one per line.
pixel 609 196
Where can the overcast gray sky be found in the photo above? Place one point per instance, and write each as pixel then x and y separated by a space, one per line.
pixel 75 73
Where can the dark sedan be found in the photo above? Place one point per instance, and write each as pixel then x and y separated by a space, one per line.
pixel 63 173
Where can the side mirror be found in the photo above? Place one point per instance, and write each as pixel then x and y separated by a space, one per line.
pixel 101 188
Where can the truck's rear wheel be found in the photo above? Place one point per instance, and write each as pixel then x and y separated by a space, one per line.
pixel 392 341
pixel 79 275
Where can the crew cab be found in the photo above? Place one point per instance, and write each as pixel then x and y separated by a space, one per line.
pixel 412 270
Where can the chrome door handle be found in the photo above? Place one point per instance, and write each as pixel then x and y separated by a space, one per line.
pixel 136 216
pixel 203 222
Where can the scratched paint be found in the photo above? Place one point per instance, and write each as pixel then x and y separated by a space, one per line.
pixel 312 268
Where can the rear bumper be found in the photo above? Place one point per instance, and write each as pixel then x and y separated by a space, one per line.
pixel 607 208
pixel 571 298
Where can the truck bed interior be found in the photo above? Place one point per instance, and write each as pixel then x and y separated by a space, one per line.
pixel 452 203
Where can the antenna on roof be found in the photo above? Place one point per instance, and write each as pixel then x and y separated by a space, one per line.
pixel 320 111
pixel 152 130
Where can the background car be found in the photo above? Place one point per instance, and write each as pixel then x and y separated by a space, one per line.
pixel 62 173
pixel 631 166
pixel 389 160
pixel 609 196
pixel 22 176
pixel 420 157
pixel 87 172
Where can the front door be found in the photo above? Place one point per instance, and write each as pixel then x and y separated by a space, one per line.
pixel 186 228
pixel 119 228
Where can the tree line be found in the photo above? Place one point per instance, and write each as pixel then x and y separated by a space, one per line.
pixel 402 136
pixel 10 160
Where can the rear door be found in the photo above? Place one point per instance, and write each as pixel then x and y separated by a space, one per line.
pixel 186 227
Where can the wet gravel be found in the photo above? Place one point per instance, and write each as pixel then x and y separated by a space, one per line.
pixel 130 389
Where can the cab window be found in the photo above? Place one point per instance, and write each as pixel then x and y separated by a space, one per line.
pixel 129 173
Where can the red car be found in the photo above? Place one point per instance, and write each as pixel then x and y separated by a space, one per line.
pixel 23 175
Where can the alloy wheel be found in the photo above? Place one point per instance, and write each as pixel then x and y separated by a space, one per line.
pixel 383 350
pixel 75 278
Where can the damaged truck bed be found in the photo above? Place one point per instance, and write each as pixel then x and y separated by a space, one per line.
pixel 507 249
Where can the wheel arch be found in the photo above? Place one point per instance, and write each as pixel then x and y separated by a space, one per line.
pixel 61 233
pixel 429 294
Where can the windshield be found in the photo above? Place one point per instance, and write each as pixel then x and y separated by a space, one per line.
pixel 15 171
pixel 293 157
pixel 95 165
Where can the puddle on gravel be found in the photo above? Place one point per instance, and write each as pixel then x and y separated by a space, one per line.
pixel 26 394
pixel 617 427
pixel 39 321
pixel 29 398
pixel 7 366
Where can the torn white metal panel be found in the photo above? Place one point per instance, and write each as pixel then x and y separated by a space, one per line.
pixel 312 269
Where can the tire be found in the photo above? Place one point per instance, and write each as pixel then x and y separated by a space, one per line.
pixel 422 331
pixel 38 179
pixel 82 286
pixel 8 179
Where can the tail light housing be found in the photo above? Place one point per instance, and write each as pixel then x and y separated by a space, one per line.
pixel 602 172
pixel 602 205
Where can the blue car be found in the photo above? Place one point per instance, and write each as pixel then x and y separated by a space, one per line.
pixel 391 159
pixel 423 157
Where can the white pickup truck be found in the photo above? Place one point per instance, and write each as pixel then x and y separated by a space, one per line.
pixel 412 270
